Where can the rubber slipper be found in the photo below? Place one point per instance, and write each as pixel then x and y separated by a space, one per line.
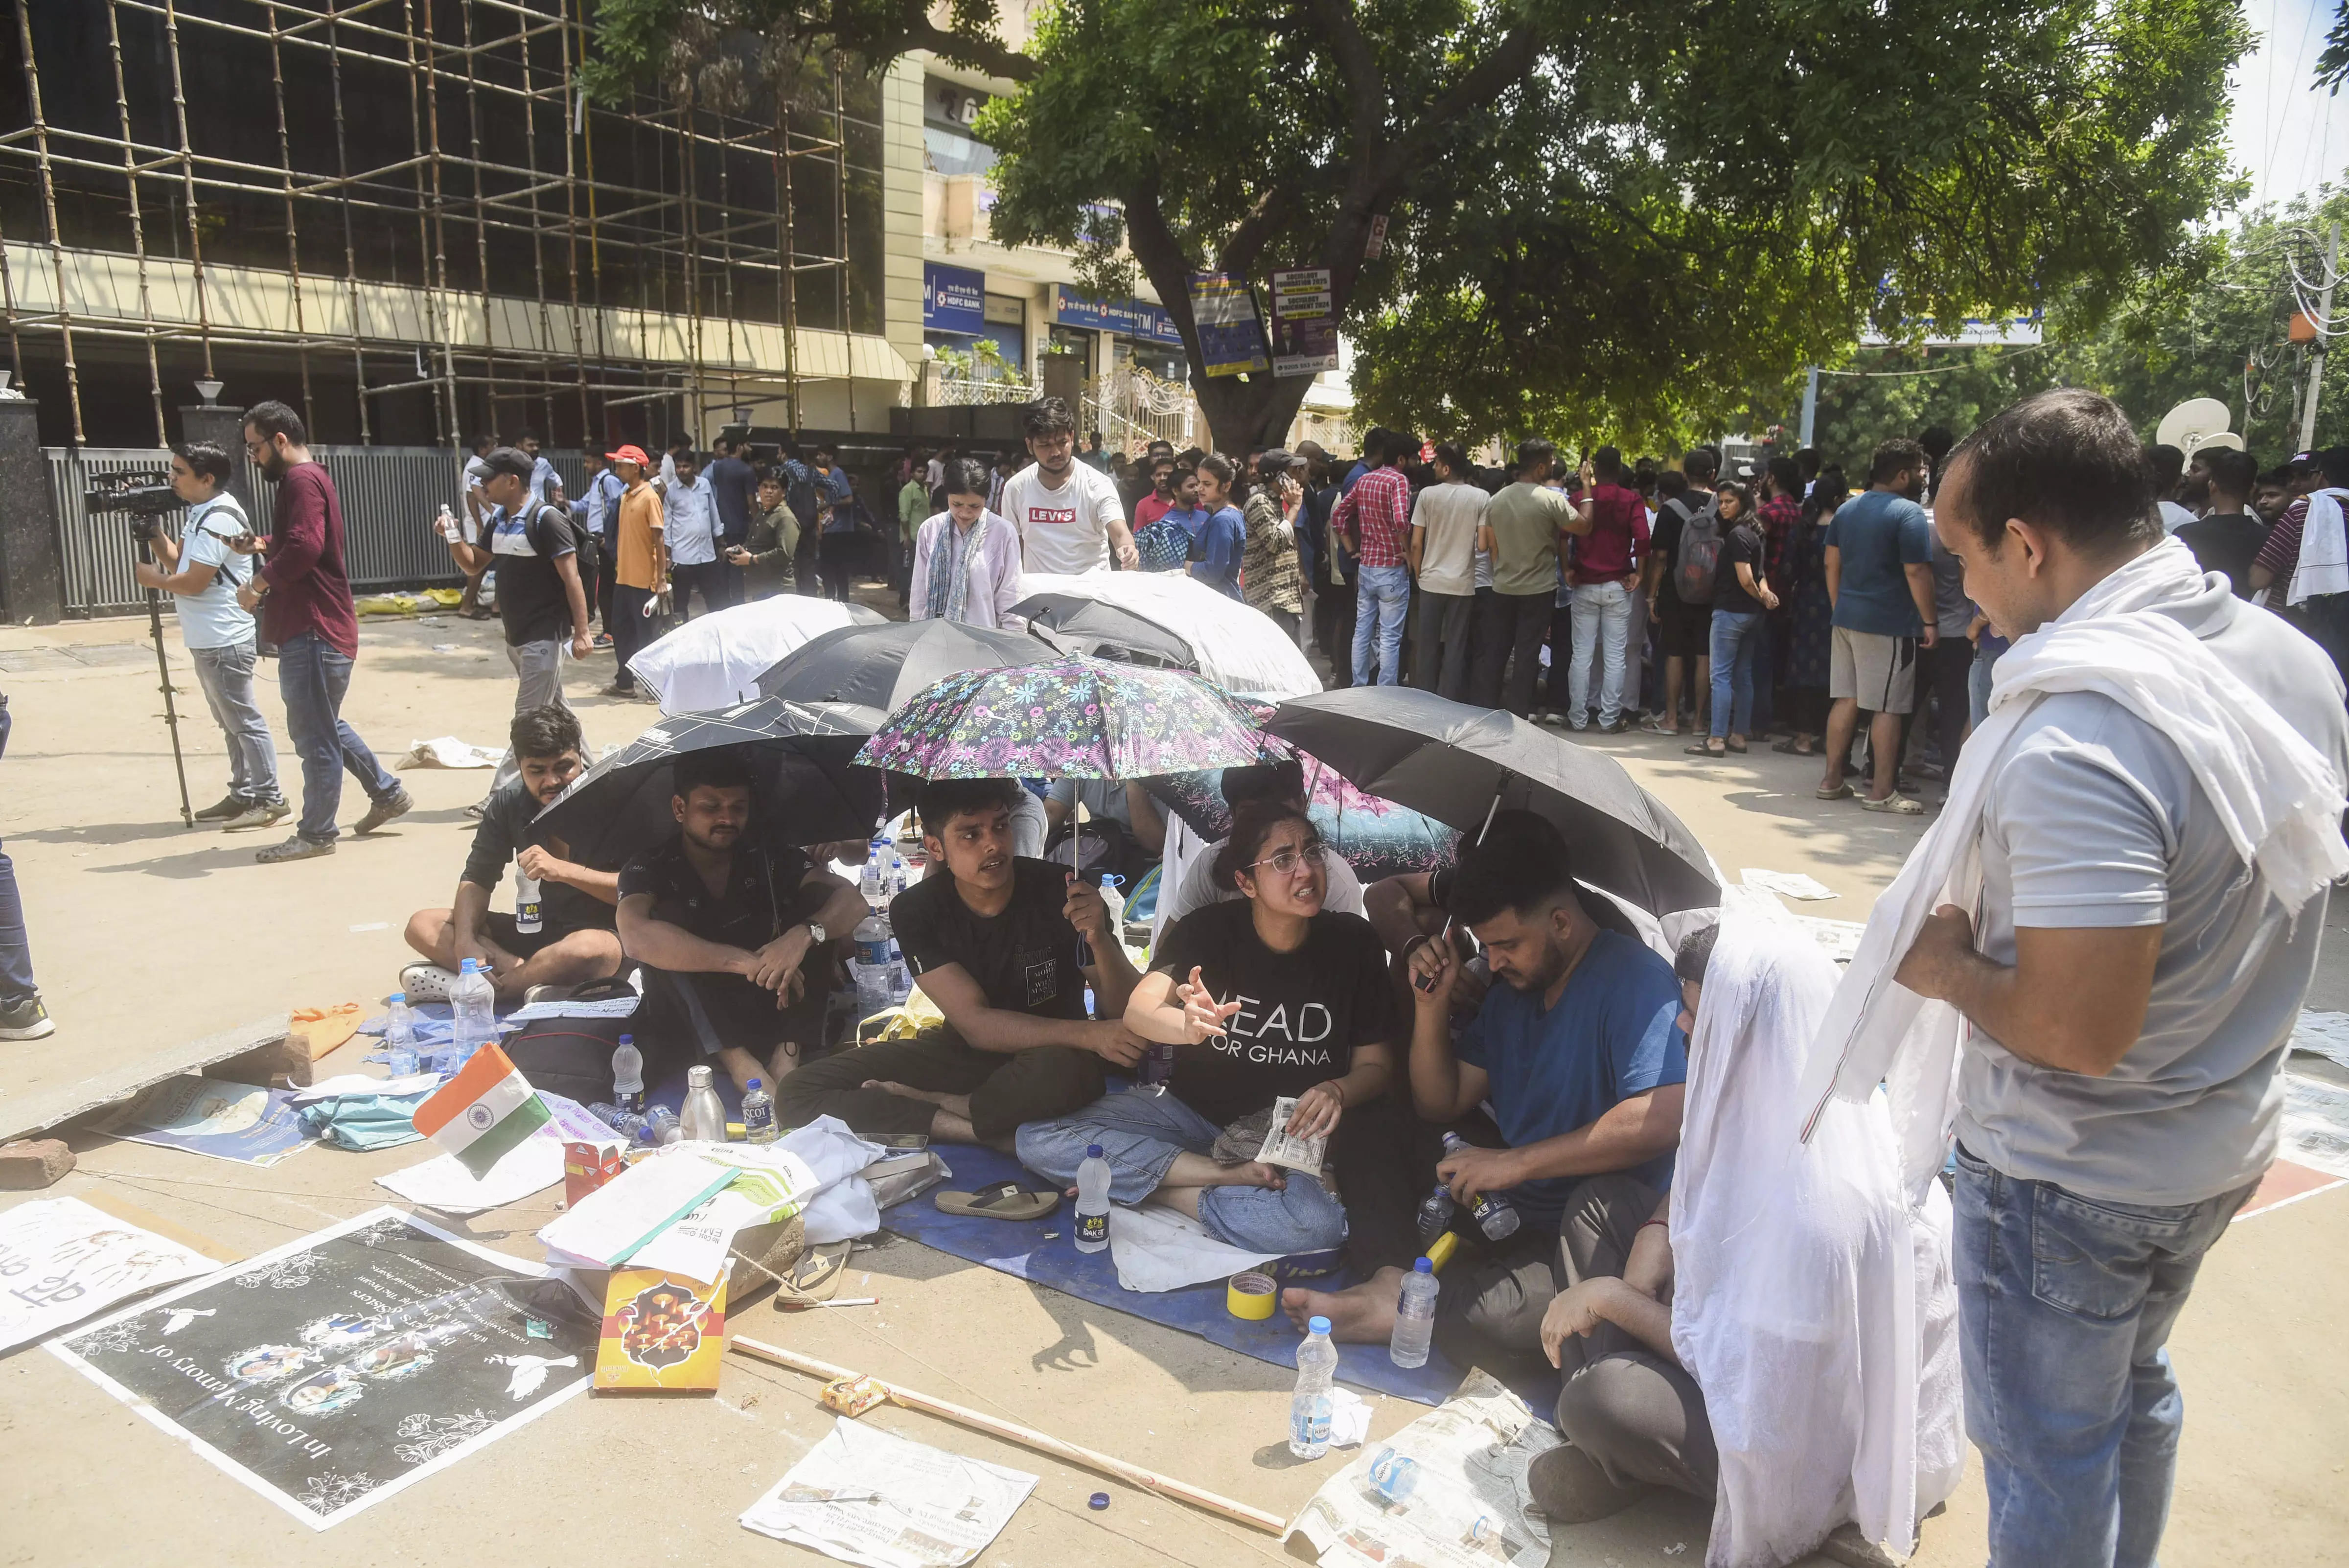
pixel 1793 748
pixel 1702 749
pixel 1840 792
pixel 815 1277
pixel 1894 805
pixel 1004 1200
pixel 1737 747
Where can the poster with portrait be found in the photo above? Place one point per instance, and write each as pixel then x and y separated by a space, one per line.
pixel 1304 322
pixel 331 1372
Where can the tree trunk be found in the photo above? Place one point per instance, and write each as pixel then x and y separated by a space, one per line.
pixel 1254 413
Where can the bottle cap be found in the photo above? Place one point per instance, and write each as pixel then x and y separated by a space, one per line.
pixel 1098 1499
pixel 1317 1325
pixel 1423 1267
pixel 754 1083
pixel 395 996
pixel 627 1039
pixel 1093 1151
pixel 469 966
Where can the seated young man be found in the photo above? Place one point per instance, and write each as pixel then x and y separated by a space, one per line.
pixel 1578 1050
pixel 993 939
pixel 574 941
pixel 732 929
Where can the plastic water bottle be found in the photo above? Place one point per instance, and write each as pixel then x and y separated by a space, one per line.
pixel 1093 1202
pixel 628 1075
pixel 1415 1317
pixel 896 874
pixel 475 1005
pixel 625 1122
pixel 661 1126
pixel 870 883
pixel 704 1120
pixel 1157 1063
pixel 1435 1215
pixel 1494 1215
pixel 1309 1407
pixel 1394 1476
pixel 400 1036
pixel 530 911
pixel 758 1115
pixel 871 966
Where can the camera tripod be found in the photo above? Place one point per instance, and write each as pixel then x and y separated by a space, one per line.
pixel 163 673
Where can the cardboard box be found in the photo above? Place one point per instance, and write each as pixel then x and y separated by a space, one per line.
pixel 587 1165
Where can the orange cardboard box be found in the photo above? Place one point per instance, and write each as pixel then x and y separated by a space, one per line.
pixel 587 1166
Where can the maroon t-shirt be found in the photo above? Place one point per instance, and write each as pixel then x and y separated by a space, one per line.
pixel 1618 536
pixel 309 588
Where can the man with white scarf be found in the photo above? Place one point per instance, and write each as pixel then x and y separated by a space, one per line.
pixel 2092 963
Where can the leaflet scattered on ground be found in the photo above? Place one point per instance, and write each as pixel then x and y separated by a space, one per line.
pixel 1787 884
pixel 61 1261
pixel 1461 1502
pixel 863 1496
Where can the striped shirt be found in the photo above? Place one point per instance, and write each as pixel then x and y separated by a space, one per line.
pixel 1379 510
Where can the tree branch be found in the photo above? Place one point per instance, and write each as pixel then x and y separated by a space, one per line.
pixel 959 49
pixel 1358 63
pixel 1484 81
pixel 1238 254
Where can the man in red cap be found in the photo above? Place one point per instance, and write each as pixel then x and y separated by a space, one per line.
pixel 639 563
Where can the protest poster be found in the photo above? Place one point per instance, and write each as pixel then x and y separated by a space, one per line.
pixel 331 1372
pixel 61 1261
pixel 1304 322
pixel 208 1116
pixel 1231 339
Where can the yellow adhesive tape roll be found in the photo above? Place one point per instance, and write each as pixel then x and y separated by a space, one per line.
pixel 1251 1297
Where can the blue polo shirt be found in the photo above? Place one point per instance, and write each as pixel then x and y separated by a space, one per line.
pixel 1614 1033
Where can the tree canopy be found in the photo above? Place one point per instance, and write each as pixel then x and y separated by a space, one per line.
pixel 1630 217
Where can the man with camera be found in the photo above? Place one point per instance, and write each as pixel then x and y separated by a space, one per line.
pixel 203 572
pixel 311 620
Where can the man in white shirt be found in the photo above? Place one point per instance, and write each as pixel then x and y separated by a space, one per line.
pixel 1445 524
pixel 545 485
pixel 689 519
pixel 476 508
pixel 1069 517
pixel 218 631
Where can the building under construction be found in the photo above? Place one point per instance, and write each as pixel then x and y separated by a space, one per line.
pixel 407 219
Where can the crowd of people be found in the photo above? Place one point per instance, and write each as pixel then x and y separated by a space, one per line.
pixel 2128 667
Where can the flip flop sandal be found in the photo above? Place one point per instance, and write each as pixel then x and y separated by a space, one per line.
pixel 1840 792
pixel 1792 748
pixel 1701 750
pixel 1004 1200
pixel 1737 748
pixel 815 1277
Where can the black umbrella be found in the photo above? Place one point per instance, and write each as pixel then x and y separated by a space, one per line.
pixel 1457 763
pixel 805 788
pixel 880 667
pixel 1100 630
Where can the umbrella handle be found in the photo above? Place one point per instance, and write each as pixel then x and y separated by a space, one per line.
pixel 1490 812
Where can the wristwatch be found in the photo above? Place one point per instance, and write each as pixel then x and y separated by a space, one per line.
pixel 815 934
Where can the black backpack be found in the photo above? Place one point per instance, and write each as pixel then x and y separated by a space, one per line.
pixel 1697 557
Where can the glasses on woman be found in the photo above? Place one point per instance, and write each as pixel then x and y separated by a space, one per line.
pixel 1288 858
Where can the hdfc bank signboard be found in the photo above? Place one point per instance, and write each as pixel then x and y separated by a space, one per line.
pixel 954 299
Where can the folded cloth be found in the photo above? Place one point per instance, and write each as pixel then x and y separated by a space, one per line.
pixel 362 1122
pixel 1243 1139
pixel 2323 565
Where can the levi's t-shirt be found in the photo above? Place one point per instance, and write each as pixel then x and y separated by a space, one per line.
pixel 1065 530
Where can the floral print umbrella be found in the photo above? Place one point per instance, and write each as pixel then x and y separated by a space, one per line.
pixel 1074 717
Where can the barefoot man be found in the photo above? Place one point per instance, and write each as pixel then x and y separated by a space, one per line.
pixel 1579 1049
pixel 994 940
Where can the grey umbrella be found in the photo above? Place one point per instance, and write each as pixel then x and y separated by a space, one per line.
pixel 1458 764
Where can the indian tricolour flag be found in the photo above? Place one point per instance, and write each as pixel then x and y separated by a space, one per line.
pixel 482 1112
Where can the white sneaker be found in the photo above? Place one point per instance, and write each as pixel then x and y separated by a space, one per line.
pixel 426 981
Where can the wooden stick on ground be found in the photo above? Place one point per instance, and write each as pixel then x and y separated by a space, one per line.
pixel 1027 1436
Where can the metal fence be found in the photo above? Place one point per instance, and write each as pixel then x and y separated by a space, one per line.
pixel 390 494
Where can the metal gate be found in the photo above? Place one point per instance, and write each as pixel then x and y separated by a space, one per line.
pixel 391 495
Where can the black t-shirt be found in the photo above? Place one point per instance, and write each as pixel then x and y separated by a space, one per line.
pixel 760 899
pixel 530 597
pixel 1743 542
pixel 1301 1014
pixel 508 826
pixel 1664 544
pixel 2226 542
pixel 1024 960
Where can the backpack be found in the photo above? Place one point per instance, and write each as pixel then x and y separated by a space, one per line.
pixel 1699 555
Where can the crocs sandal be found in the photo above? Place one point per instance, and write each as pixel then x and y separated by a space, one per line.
pixel 1004 1200
pixel 1894 805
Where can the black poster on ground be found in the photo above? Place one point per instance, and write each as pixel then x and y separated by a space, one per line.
pixel 334 1370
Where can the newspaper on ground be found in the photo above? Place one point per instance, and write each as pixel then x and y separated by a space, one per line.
pixel 863 1496
pixel 1787 884
pixel 61 1261
pixel 449 751
pixel 1447 1491
pixel 1282 1146
pixel 1839 939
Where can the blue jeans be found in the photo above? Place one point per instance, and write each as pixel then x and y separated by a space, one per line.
pixel 226 676
pixel 1602 629
pixel 16 953
pixel 312 677
pixel 2065 1304
pixel 1978 682
pixel 1381 599
pixel 1141 1132
pixel 1736 641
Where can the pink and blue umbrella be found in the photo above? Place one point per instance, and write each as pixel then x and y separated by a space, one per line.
pixel 1073 718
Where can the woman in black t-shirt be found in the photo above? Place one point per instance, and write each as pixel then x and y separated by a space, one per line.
pixel 1268 997
pixel 1740 598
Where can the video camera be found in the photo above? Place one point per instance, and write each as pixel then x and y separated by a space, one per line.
pixel 147 495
